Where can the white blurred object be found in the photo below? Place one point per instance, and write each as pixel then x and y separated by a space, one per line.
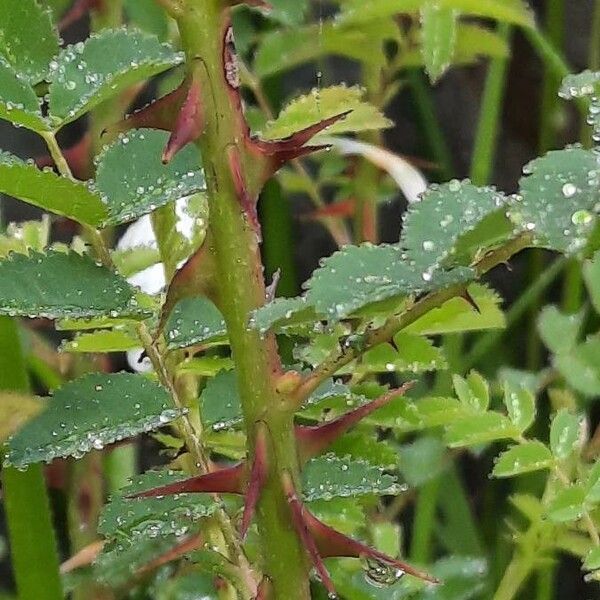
pixel 151 280
pixel 407 177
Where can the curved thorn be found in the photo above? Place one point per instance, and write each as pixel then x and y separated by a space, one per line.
pixel 223 481
pixel 333 543
pixel 247 203
pixel 189 123
pixel 299 520
pixel 312 440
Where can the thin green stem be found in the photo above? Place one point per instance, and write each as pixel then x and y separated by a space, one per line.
pixel 486 137
pixel 515 575
pixel 31 535
pixel 424 521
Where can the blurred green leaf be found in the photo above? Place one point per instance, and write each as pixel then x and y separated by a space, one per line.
pixel 473 392
pixel 114 340
pixel 480 429
pixel 559 331
pixel 567 505
pixel 438 37
pixel 523 458
pixel 520 405
pixel 564 433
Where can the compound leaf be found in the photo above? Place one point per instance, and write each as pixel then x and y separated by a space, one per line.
pixel 107 63
pixel 49 191
pixel 133 180
pixel 89 413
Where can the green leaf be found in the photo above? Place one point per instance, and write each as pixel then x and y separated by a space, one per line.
pixel 133 180
pixel 89 413
pixel 188 586
pixel 323 103
pixel 195 321
pixel 480 429
pixel 281 50
pixel 581 367
pixel 592 559
pixel 330 476
pixel 172 514
pixel 49 191
pixel 114 340
pixel 520 405
pixel 578 85
pixel 283 314
pixel 473 392
pixel 511 11
pixel 559 194
pixel 410 353
pixel 25 236
pixel 148 16
pixel 288 12
pixel 86 74
pixel 458 315
pixel 18 102
pixel 591 275
pixel 438 37
pixel 559 331
pixel 36 286
pixel 357 276
pixel 432 227
pixel 28 40
pixel 523 458
pixel 205 366
pixel 362 444
pixel 422 460
pixel 593 484
pixel 344 514
pixel 564 433
pixel 567 505
pixel 220 404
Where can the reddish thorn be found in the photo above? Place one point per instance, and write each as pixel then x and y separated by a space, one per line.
pixel 159 114
pixel 264 589
pixel 312 440
pixel 189 123
pixel 79 8
pixel 466 295
pixel 191 543
pixel 78 158
pixel 247 203
pixel 299 514
pixel 218 482
pixel 298 139
pixel 333 543
pixel 258 477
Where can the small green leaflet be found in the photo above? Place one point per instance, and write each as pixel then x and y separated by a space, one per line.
pixel 567 505
pixel 47 190
pixel 520 405
pixel 36 286
pixel 438 37
pixel 581 366
pixel 330 476
pixel 194 321
pixel 133 181
pixel 220 403
pixel 322 104
pixel 432 227
pixel 172 514
pixel 113 340
pixel 18 102
pixel 523 458
pixel 28 40
pixel 559 197
pixel 283 313
pixel 480 429
pixel 559 331
pixel 86 74
pixel 89 413
pixel 585 85
pixel 564 433
pixel 360 275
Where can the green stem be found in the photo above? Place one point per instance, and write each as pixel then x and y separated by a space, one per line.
pixel 31 535
pixel 431 126
pixel 545 583
pixel 203 27
pixel 119 466
pixel 487 129
pixel 424 521
pixel 515 575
